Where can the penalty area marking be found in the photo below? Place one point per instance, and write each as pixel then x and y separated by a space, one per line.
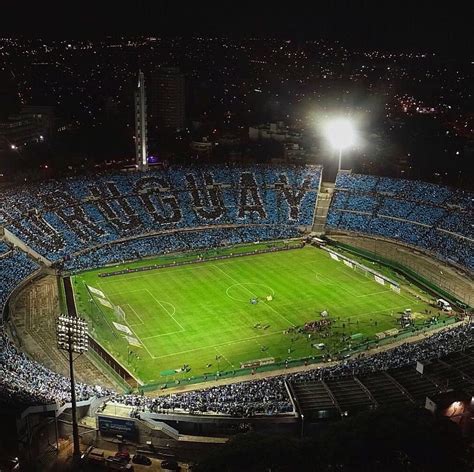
pixel 162 304
pixel 164 334
pixel 136 314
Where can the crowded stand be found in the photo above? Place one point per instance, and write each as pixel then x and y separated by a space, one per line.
pixel 172 242
pixel 4 247
pixel 268 396
pixel 91 221
pixel 430 217
pixel 15 266
pixel 29 382
pixel 60 218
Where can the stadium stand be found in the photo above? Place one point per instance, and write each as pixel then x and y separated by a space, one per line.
pixel 429 217
pixel 91 221
pixel 175 241
pixel 26 380
pixel 15 266
pixel 384 390
pixel 4 247
pixel 60 218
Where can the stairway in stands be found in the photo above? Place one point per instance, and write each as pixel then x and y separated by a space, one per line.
pixel 322 207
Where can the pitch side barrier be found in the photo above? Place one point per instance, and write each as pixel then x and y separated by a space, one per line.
pixel 96 350
pixel 410 274
pixel 378 277
pixel 204 259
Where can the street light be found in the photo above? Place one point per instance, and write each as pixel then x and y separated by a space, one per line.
pixel 340 133
pixel 72 336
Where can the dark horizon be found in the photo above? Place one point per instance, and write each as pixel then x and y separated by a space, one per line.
pixel 356 24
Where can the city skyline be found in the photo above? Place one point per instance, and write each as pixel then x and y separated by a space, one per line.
pixel 359 23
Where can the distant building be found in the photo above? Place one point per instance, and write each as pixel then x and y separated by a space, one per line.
pixel 141 152
pixel 43 116
pixel 167 99
pixel 33 124
pixel 295 152
pixel 277 131
pixel 203 147
pixel 229 140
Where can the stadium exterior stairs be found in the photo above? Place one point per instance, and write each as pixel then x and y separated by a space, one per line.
pixel 150 428
pixel 325 194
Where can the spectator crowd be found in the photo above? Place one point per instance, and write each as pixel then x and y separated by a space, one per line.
pixel 86 222
pixel 61 218
pixel 430 217
pixel 24 380
pixel 15 266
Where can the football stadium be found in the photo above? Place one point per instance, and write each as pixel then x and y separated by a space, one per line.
pixel 261 305
pixel 204 297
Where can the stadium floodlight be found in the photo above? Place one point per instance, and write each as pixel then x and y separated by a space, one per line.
pixel 341 135
pixel 72 336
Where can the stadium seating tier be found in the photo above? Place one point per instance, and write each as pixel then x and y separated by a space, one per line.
pixel 427 216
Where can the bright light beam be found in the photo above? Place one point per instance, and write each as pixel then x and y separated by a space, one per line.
pixel 341 134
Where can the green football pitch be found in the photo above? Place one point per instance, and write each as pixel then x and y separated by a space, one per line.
pixel 201 316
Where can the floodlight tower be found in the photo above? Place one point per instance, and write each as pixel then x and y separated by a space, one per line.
pixel 341 135
pixel 72 337
pixel 141 124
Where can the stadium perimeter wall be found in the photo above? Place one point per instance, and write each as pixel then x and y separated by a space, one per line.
pixel 10 237
pixel 443 279
pixel 211 425
pixel 4 315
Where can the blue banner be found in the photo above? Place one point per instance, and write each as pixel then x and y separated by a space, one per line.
pixel 113 426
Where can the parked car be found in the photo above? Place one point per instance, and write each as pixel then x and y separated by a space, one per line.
pixel 113 463
pixel 170 464
pixel 123 455
pixel 95 456
pixel 141 459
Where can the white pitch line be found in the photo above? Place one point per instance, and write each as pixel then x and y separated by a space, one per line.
pixel 346 272
pixel 136 335
pixel 227 360
pixel 143 344
pixel 134 311
pixel 324 280
pixel 251 293
pixel 111 294
pixel 265 335
pixel 162 306
pixel 164 334
pixel 228 343
pixel 373 293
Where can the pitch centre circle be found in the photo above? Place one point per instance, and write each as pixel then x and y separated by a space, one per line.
pixel 245 291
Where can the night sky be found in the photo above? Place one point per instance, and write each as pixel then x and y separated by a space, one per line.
pixel 441 26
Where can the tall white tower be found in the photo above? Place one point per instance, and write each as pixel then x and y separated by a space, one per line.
pixel 141 124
